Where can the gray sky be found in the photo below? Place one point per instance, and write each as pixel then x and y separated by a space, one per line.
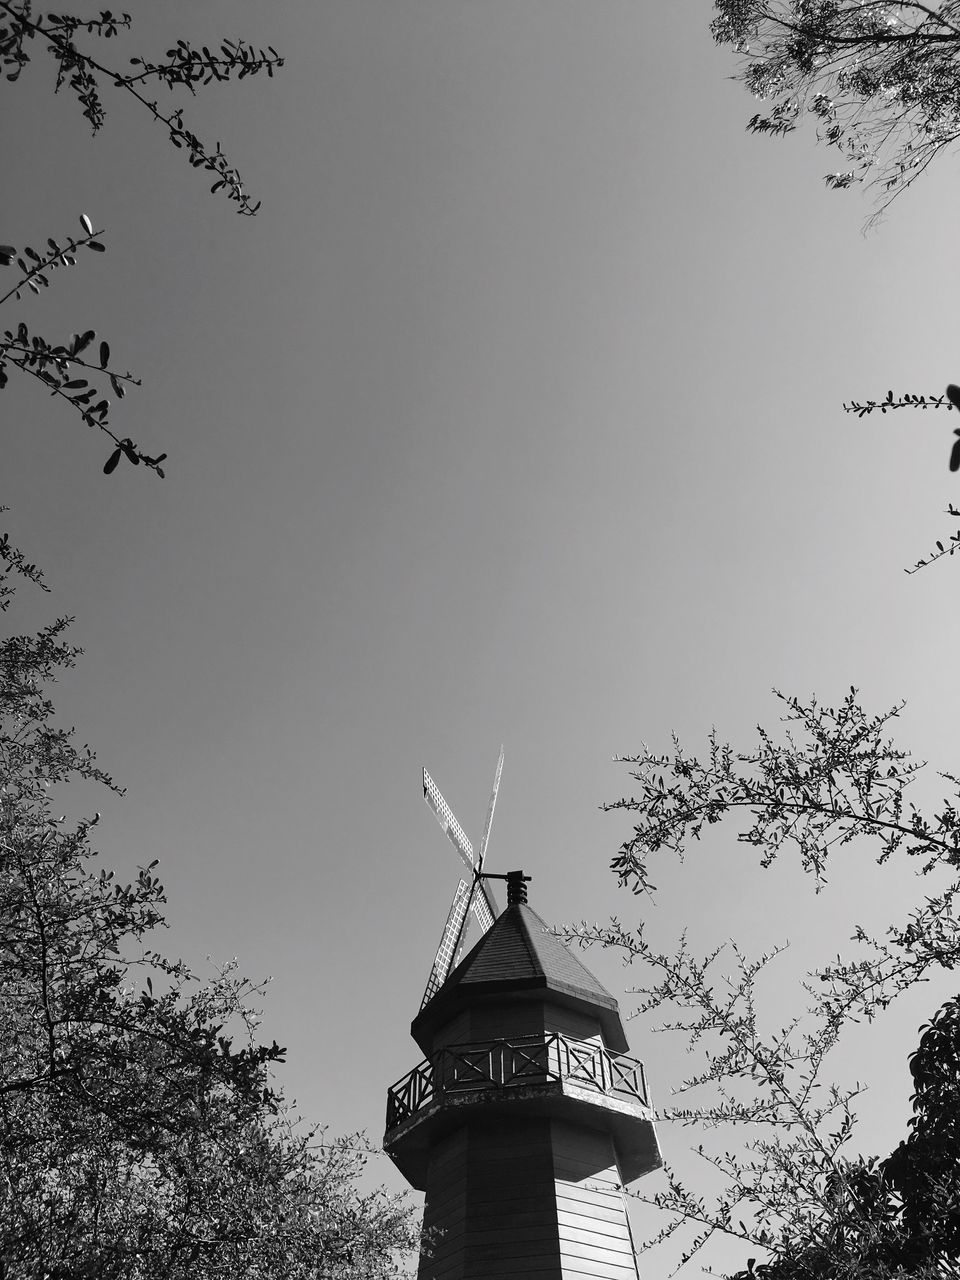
pixel 515 416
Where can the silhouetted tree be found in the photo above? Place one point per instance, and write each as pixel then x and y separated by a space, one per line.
pixel 142 1136
pixel 795 1187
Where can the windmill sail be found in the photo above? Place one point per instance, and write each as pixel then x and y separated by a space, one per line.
pixel 473 894
pixel 444 815
pixel 484 905
pixel 449 942
pixel 485 895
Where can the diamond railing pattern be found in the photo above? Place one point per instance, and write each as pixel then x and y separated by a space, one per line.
pixel 505 1064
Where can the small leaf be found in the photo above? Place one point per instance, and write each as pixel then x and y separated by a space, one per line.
pixel 7 254
pixel 87 224
pixel 83 341
pixel 95 244
pixel 111 462
pixel 953 395
pixel 104 355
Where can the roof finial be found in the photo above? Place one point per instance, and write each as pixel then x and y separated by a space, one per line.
pixel 516 888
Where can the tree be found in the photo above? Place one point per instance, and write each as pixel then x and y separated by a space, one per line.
pixel 65 368
pixel 881 80
pixel 142 1136
pixel 797 1188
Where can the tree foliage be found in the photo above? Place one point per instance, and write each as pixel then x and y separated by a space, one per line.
pixel 68 369
pixel 142 1136
pixel 881 80
pixel 74 371
pixel 797 1187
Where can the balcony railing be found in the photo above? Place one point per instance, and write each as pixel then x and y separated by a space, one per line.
pixel 506 1064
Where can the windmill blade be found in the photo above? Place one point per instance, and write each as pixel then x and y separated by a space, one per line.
pixel 475 895
pixel 490 808
pixel 449 942
pixel 444 815
pixel 485 898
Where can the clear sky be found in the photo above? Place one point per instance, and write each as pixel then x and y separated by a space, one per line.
pixel 514 417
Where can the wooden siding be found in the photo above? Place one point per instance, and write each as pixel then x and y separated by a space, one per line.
pixel 491 1201
pixel 592 1226
pixel 572 1023
pixel 524 1018
pixel 457 1031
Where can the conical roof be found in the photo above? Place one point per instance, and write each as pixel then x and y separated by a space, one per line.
pixel 518 957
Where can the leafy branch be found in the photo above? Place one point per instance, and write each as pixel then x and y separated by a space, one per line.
pixel 906 401
pixel 949 400
pixel 834 777
pixel 186 68
pixel 61 368
pixel 54 365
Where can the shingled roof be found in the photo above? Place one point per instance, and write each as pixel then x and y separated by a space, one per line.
pixel 518 955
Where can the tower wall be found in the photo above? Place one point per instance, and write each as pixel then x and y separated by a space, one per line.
pixel 525 1197
pixel 528 1017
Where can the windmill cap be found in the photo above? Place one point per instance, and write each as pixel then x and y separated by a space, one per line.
pixel 519 959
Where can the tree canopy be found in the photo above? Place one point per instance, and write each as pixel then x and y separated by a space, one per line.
pixel 880 80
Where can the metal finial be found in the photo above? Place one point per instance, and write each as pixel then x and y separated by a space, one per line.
pixel 516 888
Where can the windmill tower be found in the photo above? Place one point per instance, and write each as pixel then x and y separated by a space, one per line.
pixel 526 1116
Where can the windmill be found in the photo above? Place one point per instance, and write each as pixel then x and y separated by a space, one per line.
pixel 473 894
pixel 526 1117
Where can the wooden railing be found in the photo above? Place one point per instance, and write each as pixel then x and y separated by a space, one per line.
pixel 505 1064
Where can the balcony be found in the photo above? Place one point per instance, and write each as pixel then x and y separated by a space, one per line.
pixel 504 1065
pixel 549 1075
